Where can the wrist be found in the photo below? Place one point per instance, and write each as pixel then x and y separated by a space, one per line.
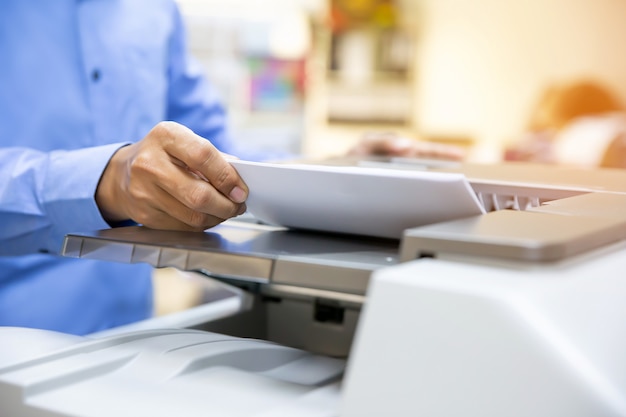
pixel 108 190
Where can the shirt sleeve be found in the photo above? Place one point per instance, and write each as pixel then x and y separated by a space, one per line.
pixel 45 195
pixel 194 102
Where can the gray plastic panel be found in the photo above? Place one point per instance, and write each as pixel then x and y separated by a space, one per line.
pixel 245 251
pixel 344 272
pixel 519 235
pixel 591 204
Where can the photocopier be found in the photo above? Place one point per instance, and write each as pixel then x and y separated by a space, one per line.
pixel 520 311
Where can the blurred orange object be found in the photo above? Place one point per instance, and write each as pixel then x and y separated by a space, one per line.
pixel 562 103
pixel 581 123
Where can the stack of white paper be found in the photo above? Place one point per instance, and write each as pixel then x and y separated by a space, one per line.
pixel 365 201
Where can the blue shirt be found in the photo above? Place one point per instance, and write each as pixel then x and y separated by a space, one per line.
pixel 78 79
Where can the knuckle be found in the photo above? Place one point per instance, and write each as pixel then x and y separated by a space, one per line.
pixel 142 163
pixel 164 127
pixel 207 154
pixel 224 177
pixel 198 198
pixel 158 131
pixel 198 220
pixel 222 172
pixel 164 131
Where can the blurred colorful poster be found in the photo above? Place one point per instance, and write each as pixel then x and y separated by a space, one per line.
pixel 275 84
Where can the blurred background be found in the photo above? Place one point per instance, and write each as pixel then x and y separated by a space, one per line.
pixel 500 79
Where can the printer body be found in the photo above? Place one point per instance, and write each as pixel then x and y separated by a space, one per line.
pixel 519 311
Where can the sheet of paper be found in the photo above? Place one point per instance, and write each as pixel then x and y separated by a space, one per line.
pixel 357 200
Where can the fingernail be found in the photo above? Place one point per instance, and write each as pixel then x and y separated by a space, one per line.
pixel 238 195
pixel 242 209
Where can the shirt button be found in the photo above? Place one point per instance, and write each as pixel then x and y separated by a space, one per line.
pixel 95 75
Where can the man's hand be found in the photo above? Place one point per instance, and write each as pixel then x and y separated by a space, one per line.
pixel 171 179
pixel 390 144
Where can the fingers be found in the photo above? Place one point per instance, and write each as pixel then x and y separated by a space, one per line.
pixel 200 155
pixel 171 214
pixel 433 150
pixel 374 143
pixel 390 144
pixel 196 196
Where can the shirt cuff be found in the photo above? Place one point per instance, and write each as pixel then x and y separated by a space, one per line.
pixel 70 188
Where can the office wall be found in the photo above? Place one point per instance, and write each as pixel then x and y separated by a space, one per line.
pixel 482 63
